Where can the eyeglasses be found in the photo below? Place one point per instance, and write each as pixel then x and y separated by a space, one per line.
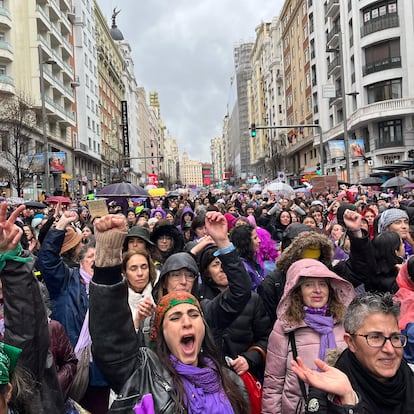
pixel 377 340
pixel 179 274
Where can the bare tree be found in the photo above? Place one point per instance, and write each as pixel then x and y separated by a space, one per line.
pixel 18 147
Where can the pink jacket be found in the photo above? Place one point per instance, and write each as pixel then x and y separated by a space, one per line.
pixel 281 390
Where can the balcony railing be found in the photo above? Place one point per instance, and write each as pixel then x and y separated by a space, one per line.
pixel 380 23
pixel 384 64
pixel 387 143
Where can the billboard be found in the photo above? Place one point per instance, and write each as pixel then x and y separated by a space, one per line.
pixel 57 162
pixel 337 148
pixel 357 148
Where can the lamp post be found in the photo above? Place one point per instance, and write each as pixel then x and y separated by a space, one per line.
pixel 44 117
pixel 340 53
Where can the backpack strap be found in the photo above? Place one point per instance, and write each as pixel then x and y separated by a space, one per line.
pixel 292 341
pixel 146 329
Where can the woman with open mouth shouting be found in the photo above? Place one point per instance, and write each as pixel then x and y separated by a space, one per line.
pixel 182 373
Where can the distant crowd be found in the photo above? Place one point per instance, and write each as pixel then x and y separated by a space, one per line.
pixel 226 302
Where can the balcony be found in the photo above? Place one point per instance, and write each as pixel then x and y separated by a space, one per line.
pixel 7 84
pixel 387 143
pixel 332 38
pixel 334 66
pixel 6 51
pixel 332 8
pixel 384 64
pixel 381 23
pixel 5 18
pixel 381 110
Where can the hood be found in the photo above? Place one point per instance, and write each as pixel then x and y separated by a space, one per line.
pixel 158 210
pixel 175 262
pixel 179 261
pixel 313 268
pixel 185 210
pixel 405 295
pixel 301 242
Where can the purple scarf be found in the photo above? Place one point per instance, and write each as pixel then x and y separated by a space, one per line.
pixel 204 392
pixel 316 319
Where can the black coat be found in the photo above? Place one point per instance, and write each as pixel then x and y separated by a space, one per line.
pixel 26 327
pixel 251 327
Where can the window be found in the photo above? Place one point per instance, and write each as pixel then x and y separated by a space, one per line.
pixel 390 132
pixel 3 70
pixel 384 91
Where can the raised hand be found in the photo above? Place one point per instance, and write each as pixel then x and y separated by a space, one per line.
pixel 352 220
pixel 10 233
pixel 111 222
pixel 216 226
pixel 330 379
pixel 66 218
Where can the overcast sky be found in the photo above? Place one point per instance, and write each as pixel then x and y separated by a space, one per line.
pixel 183 49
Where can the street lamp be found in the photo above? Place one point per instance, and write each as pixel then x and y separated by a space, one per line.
pixel 44 116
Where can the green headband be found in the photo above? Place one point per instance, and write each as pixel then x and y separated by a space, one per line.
pixel 8 359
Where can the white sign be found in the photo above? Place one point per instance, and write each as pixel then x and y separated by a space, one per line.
pixel 328 91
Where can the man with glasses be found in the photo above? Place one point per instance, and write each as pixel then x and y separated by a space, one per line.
pixel 371 375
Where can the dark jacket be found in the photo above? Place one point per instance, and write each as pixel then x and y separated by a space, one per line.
pixel 250 328
pixel 319 403
pixel 357 269
pixel 68 295
pixel 63 354
pixel 26 327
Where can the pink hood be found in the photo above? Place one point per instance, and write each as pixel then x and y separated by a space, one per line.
pixel 405 295
pixel 312 268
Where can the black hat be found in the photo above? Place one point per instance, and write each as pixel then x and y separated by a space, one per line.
pixel 170 230
pixel 140 232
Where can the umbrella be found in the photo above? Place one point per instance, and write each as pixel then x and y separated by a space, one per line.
pixel 397 181
pixel 58 199
pixel 408 186
pixel 371 181
pixel 173 194
pixel 34 204
pixel 280 189
pixel 122 190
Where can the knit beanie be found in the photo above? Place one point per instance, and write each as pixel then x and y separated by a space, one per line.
pixel 166 303
pixel 390 216
pixel 230 220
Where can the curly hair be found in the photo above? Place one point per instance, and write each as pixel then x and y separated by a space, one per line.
pixel 295 312
pixel 208 350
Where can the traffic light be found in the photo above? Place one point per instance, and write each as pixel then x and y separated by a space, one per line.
pixel 318 168
pixel 253 130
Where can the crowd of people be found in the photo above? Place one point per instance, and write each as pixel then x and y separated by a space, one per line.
pixel 167 308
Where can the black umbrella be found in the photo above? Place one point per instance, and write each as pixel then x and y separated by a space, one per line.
pixel 122 190
pixel 397 181
pixel 371 181
pixel 34 204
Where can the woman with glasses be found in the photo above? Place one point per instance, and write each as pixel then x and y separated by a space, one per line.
pixel 309 323
pixel 371 375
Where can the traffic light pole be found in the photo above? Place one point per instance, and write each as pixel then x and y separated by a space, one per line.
pixel 254 127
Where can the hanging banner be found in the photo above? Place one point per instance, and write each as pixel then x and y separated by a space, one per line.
pixel 357 148
pixel 337 148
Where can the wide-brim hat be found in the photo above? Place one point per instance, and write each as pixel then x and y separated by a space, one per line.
pixel 72 239
pixel 140 232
